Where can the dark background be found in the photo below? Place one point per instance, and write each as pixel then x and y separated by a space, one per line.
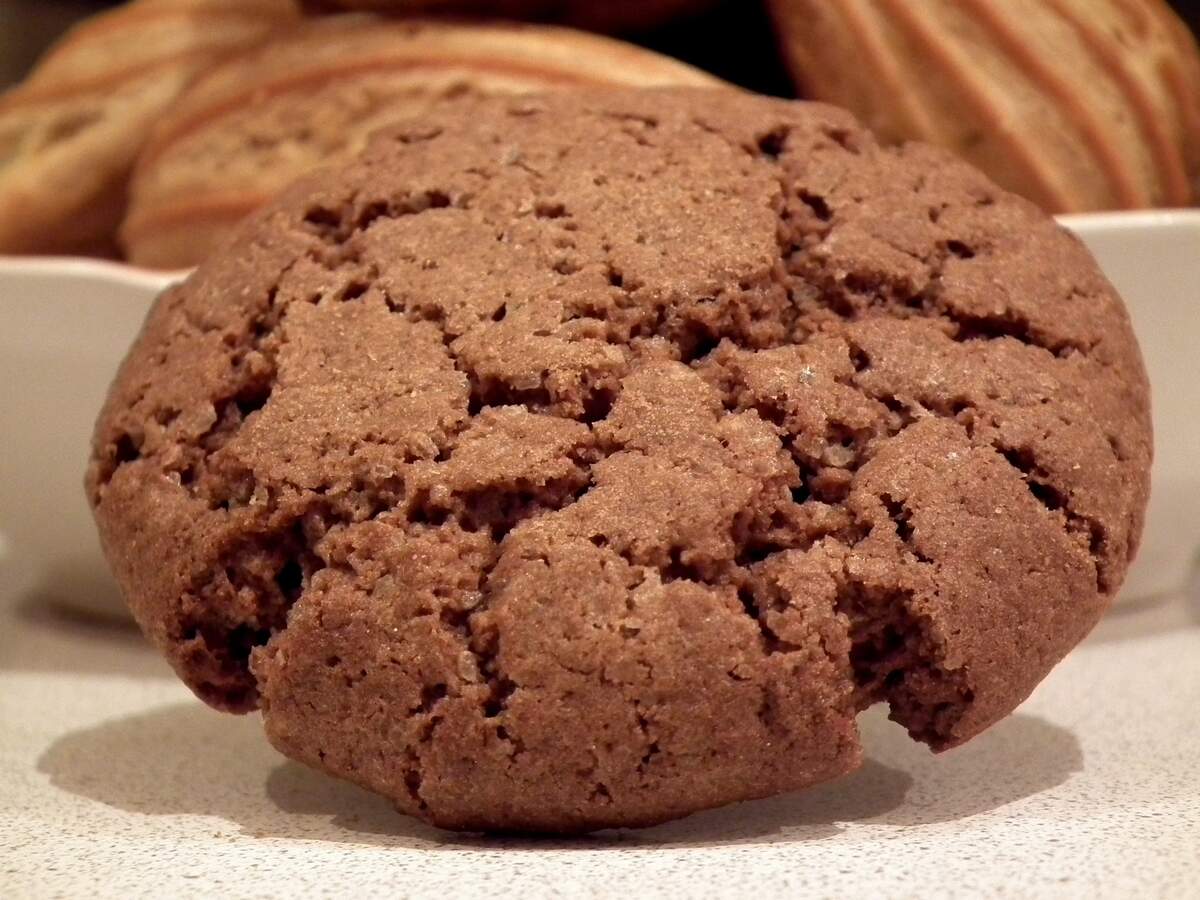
pixel 733 41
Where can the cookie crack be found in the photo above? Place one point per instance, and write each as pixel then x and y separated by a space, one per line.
pixel 1088 532
pixel 253 360
pixel 414 774
pixel 649 741
pixel 894 659
pixel 482 639
pixel 237 606
pixel 337 226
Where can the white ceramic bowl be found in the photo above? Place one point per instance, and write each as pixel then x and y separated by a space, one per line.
pixel 1153 259
pixel 65 324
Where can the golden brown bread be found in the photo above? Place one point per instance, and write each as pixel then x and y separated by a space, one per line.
pixel 70 133
pixel 1077 104
pixel 313 96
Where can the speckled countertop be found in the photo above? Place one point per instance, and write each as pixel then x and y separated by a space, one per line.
pixel 116 783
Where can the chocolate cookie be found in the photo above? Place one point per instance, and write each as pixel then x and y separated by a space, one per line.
pixel 602 15
pixel 591 459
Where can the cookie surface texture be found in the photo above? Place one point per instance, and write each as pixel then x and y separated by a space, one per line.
pixel 587 460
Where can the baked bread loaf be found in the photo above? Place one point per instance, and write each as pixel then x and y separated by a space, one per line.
pixel 70 132
pixel 586 460
pixel 312 96
pixel 1077 104
pixel 601 15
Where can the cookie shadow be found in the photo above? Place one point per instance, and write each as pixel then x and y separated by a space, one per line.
pixel 1017 758
pixel 41 633
pixel 807 816
pixel 186 760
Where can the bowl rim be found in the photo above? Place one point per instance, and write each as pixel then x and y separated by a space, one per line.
pixel 1132 220
pixel 83 267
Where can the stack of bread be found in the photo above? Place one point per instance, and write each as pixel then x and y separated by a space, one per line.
pixel 69 135
pixel 316 93
pixel 1077 104
pixel 149 130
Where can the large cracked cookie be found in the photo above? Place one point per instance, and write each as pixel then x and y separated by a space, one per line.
pixel 590 460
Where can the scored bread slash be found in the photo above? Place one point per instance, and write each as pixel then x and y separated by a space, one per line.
pixel 313 96
pixel 1079 105
pixel 69 134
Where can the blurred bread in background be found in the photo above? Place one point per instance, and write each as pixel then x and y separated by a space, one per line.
pixel 69 133
pixel 601 15
pixel 1077 104
pixel 313 96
